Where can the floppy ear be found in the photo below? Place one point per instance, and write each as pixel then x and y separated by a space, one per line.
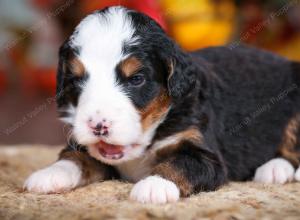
pixel 66 89
pixel 181 74
pixel 61 76
pixel 69 76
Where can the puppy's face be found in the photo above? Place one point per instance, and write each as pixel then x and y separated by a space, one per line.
pixel 112 83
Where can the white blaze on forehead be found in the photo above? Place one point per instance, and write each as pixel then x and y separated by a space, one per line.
pixel 101 37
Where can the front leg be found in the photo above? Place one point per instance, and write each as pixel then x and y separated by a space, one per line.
pixel 74 168
pixel 188 170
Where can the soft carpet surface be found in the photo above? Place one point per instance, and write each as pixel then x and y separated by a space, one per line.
pixel 109 200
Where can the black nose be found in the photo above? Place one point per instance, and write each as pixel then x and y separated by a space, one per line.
pixel 98 127
pixel 100 130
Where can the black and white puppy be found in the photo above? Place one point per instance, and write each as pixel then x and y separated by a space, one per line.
pixel 176 123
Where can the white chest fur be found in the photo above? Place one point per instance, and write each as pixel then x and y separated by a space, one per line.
pixel 137 169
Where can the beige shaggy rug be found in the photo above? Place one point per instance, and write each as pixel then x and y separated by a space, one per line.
pixel 108 200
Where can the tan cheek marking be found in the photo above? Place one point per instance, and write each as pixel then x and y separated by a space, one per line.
pixel 155 110
pixel 130 66
pixel 289 141
pixel 166 170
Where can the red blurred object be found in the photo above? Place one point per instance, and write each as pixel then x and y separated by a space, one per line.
pixel 152 9
pixel 90 6
pixel 2 81
pixel 149 7
pixel 46 80
pixel 39 80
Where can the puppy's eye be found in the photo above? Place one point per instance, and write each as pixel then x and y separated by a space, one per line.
pixel 136 80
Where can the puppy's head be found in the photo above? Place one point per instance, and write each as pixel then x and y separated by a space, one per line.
pixel 118 76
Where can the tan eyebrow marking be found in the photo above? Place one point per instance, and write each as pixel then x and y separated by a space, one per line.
pixel 130 66
pixel 76 66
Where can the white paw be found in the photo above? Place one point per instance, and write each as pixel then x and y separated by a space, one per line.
pixel 276 170
pixel 155 189
pixel 62 176
pixel 297 174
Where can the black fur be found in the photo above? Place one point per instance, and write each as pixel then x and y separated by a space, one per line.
pixel 222 88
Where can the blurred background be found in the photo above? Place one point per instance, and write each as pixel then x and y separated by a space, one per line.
pixel 31 32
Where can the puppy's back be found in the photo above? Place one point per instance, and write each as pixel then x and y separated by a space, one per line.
pixel 259 97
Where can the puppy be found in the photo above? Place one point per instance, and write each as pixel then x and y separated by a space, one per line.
pixel 174 123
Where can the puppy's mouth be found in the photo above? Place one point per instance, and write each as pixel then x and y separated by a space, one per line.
pixel 110 151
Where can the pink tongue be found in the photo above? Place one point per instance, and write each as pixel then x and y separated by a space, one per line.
pixel 113 149
pixel 110 151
